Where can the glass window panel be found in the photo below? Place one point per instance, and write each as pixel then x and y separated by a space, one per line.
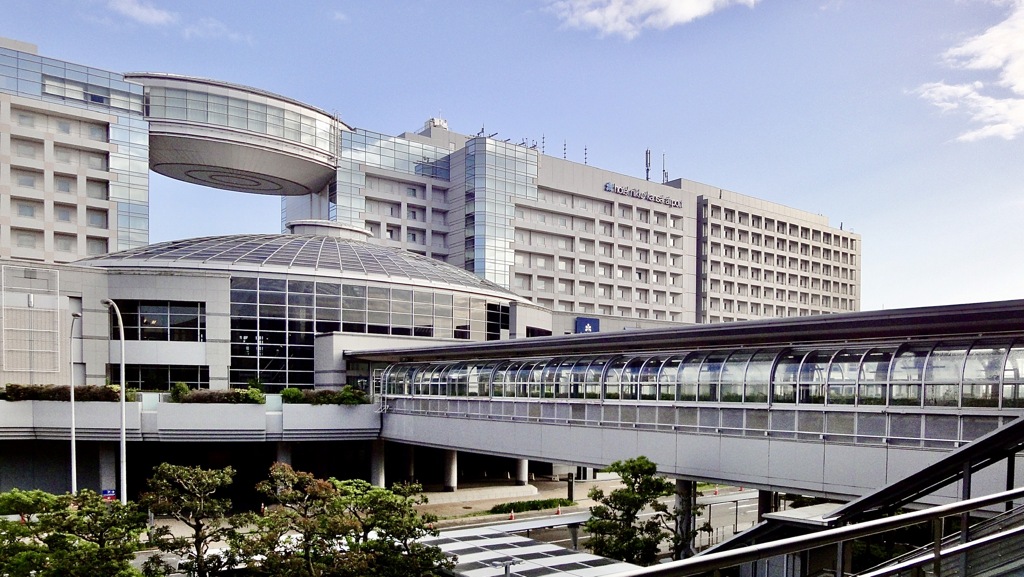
pixel 733 372
pixel 874 375
pixel 813 376
pixel 842 377
pixel 785 378
pixel 708 380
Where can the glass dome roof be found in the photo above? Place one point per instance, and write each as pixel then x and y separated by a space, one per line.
pixel 297 254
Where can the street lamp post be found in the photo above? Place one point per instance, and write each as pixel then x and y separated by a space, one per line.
pixel 71 379
pixel 123 490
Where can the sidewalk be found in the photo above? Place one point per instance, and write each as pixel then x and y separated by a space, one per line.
pixel 471 504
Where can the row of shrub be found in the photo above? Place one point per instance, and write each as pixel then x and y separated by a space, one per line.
pixel 534 505
pixel 15 392
pixel 180 393
pixel 347 395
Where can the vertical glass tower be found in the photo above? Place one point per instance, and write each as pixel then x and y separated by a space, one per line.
pixel 497 173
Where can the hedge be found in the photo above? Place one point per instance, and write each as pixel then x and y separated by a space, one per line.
pixel 534 505
pixel 232 396
pixel 346 396
pixel 15 392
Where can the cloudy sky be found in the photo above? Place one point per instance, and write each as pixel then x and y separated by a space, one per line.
pixel 902 121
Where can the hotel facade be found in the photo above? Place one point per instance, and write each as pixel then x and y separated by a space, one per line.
pixel 557 246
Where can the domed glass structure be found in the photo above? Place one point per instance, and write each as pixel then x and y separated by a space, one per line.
pixel 281 290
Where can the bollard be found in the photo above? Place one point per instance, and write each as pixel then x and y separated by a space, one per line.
pixel 572 488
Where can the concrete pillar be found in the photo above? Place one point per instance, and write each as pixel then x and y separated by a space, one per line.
pixel 108 455
pixel 410 471
pixel 522 471
pixel 451 470
pixel 767 502
pixel 377 463
pixel 686 515
pixel 283 453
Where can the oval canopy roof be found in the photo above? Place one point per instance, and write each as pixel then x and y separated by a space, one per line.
pixel 300 254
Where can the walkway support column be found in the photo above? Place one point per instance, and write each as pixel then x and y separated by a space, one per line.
pixel 522 471
pixel 410 471
pixel 108 466
pixel 686 518
pixel 377 463
pixel 767 502
pixel 451 470
pixel 283 454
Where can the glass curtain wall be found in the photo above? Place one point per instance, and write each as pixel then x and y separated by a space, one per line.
pixel 497 173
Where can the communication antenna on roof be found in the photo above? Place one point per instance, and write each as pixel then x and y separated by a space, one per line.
pixel 492 135
pixel 565 149
pixel 481 133
pixel 584 155
pixel 542 144
pixel 664 173
pixel 647 160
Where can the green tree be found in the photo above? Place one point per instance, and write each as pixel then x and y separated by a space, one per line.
pixel 21 551
pixel 86 535
pixel 187 495
pixel 68 535
pixel 320 528
pixel 615 526
pixel 388 529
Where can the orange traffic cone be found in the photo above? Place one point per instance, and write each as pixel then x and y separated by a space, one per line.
pixel 558 511
pixel 716 490
pixel 512 516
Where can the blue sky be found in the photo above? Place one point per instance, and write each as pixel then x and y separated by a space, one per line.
pixel 904 121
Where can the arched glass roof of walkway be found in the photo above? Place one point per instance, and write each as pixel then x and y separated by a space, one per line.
pixel 971 373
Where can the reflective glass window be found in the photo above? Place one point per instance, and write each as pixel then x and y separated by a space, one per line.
pixel 733 374
pixel 842 377
pixel 907 375
pixel 982 371
pixel 942 375
pixel 710 372
pixel 613 377
pixel 785 377
pixel 813 372
pixel 1013 377
pixel 688 376
pixel 873 383
pixel 758 377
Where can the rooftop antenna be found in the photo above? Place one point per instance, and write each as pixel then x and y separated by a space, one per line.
pixel 542 144
pixel 664 173
pixel 565 149
pixel 647 157
pixel 584 155
pixel 481 133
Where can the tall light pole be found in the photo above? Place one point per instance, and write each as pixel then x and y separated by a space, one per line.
pixel 71 379
pixel 123 490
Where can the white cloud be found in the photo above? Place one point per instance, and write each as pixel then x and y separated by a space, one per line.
pixel 211 28
pixel 997 108
pixel 627 18
pixel 141 12
pixel 339 16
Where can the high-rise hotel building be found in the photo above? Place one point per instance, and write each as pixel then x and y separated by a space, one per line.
pixel 76 144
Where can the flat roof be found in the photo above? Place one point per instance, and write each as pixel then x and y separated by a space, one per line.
pixel 950 321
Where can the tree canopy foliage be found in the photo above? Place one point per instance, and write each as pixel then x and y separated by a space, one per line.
pixel 617 527
pixel 320 528
pixel 313 528
pixel 67 535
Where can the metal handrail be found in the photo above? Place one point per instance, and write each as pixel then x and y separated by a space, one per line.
pixel 713 561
